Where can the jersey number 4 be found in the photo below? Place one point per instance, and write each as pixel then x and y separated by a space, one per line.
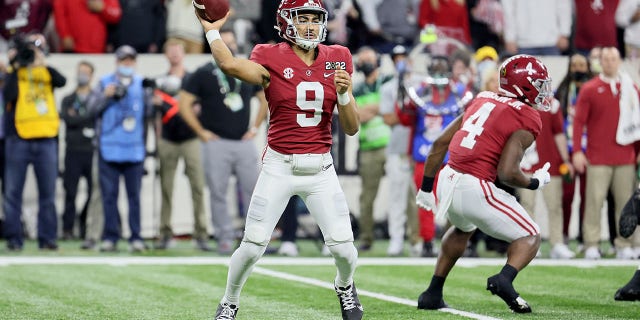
pixel 474 125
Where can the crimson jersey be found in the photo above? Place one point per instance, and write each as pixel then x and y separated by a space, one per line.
pixel 301 98
pixel 487 124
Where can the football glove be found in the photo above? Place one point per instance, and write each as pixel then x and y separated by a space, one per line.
pixel 426 200
pixel 543 176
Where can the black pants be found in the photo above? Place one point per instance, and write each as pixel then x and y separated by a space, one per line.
pixel 77 164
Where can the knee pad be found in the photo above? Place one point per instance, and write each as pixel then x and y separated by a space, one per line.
pixel 340 230
pixel 254 230
pixel 346 251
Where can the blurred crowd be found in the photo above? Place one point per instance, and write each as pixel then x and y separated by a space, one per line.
pixel 107 117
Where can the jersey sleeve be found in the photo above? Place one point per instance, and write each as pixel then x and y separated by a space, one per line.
pixel 259 54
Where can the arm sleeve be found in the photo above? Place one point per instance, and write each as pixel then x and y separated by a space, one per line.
pixel 510 25
pixel 565 18
pixel 57 79
pixel 60 13
pixel 112 12
pixel 625 10
pixel 10 90
pixel 369 14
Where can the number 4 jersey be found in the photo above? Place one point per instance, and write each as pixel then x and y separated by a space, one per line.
pixel 487 124
pixel 301 97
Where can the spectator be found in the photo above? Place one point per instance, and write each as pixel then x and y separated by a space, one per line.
pixel 178 141
pixel 245 15
pixel 31 138
pixel 628 17
pixel 552 21
pixel 303 89
pixel 122 148
pixel 148 19
pixel 450 18
pixel 441 101
pixel 373 137
pixel 265 25
pixel 589 33
pixel 82 24
pixel 402 210
pixel 550 147
pixel 391 22
pixel 228 145
pixel 609 161
pixel 79 110
pixel 578 72
pixel 182 27
pixel 465 190
pixel 23 17
pixel 486 23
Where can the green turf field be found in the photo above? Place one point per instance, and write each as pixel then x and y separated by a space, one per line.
pixel 185 284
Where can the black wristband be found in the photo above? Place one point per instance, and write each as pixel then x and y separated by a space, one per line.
pixel 533 184
pixel 427 184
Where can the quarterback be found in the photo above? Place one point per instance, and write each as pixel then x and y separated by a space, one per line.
pixel 303 81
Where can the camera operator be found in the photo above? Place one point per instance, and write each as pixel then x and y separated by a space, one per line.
pixel 122 147
pixel 32 123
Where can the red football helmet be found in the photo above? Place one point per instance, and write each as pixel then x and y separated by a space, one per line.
pixel 525 78
pixel 287 19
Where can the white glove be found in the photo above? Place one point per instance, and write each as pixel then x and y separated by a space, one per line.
pixel 426 200
pixel 542 175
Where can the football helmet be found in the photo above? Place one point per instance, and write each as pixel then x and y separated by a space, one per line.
pixel 287 20
pixel 526 78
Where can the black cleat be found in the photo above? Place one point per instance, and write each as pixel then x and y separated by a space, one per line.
pixel 431 302
pixel 629 216
pixel 226 311
pixel 349 303
pixel 628 293
pixel 504 289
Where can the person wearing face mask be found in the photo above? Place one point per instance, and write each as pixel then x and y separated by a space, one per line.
pixel 32 122
pixel 579 71
pixel 374 136
pixel 609 158
pixel 78 110
pixel 122 148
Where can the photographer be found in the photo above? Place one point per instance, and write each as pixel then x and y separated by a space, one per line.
pixel 122 147
pixel 32 123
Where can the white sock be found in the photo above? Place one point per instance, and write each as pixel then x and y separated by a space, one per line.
pixel 346 258
pixel 240 267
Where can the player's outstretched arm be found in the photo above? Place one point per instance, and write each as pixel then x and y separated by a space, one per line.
pixel 243 69
pixel 509 171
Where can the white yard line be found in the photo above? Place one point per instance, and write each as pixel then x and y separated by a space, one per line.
pixel 366 293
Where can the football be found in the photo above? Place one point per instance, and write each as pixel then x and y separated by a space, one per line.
pixel 211 10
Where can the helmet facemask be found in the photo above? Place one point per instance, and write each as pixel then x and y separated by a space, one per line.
pixel 545 94
pixel 293 20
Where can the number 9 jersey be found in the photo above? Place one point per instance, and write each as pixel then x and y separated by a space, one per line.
pixel 487 124
pixel 301 97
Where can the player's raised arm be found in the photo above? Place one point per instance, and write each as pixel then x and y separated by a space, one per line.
pixel 243 69
pixel 347 109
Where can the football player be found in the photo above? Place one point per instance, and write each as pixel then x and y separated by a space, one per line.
pixel 303 81
pixel 489 140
